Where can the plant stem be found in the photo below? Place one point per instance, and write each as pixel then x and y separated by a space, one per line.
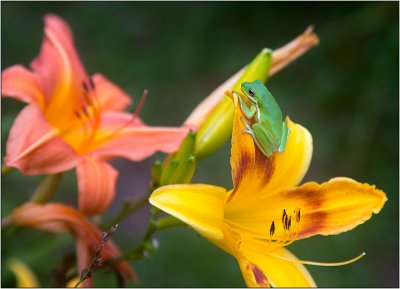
pixel 154 225
pixel 127 209
pixel 46 189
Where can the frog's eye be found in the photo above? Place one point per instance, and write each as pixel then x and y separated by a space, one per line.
pixel 251 92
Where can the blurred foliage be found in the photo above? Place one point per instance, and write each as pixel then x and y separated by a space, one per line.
pixel 345 91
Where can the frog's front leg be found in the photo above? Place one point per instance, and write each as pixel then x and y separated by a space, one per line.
pixel 248 112
pixel 285 136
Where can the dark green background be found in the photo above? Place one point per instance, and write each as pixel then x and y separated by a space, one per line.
pixel 345 91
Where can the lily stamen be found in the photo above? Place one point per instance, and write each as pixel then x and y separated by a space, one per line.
pixel 327 264
pixel 289 236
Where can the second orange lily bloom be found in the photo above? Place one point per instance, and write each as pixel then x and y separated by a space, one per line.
pixel 74 120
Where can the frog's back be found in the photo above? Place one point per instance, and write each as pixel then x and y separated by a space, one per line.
pixel 270 110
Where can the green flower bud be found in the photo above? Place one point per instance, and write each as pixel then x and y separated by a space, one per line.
pixel 218 126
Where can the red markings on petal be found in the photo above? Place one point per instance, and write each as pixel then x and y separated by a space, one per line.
pixel 259 275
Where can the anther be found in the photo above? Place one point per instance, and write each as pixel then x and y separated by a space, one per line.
pixel 298 216
pixel 85 87
pixel 85 111
pixel 283 215
pixel 284 222
pixel 78 115
pixel 91 83
pixel 290 222
pixel 272 229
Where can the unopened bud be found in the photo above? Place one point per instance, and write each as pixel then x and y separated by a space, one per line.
pixel 187 146
pixel 169 172
pixel 185 171
pixel 156 170
pixel 218 126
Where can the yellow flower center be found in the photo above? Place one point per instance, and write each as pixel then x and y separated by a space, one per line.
pixel 81 131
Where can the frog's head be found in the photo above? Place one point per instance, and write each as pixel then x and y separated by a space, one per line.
pixel 252 90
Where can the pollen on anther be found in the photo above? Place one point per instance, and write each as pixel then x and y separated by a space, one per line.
pixel 272 229
pixel 283 215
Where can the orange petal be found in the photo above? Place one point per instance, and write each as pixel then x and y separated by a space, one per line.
pixel 58 218
pixel 96 185
pixel 110 96
pixel 20 83
pixel 255 174
pixel 34 147
pixel 59 70
pixel 250 168
pixel 117 137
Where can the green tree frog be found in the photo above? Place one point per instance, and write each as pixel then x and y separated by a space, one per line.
pixel 269 131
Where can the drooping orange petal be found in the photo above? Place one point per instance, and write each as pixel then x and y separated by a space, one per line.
pixel 118 137
pixel 96 185
pixel 59 218
pixel 34 147
pixel 19 83
pixel 333 207
pixel 59 70
pixel 254 174
pixel 109 95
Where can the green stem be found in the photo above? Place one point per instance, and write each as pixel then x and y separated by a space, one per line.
pixel 127 209
pixel 154 225
pixel 46 189
pixel 169 222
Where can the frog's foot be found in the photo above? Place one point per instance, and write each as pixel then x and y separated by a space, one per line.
pixel 248 128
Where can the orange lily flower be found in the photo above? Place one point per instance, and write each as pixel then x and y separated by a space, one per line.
pixel 266 210
pixel 59 218
pixel 74 120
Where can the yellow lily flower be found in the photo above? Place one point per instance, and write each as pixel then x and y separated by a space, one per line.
pixel 266 210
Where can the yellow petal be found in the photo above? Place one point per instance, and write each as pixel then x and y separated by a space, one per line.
pixel 279 272
pixel 200 206
pixel 24 275
pixel 252 274
pixel 336 206
pixel 329 208
pixel 254 174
